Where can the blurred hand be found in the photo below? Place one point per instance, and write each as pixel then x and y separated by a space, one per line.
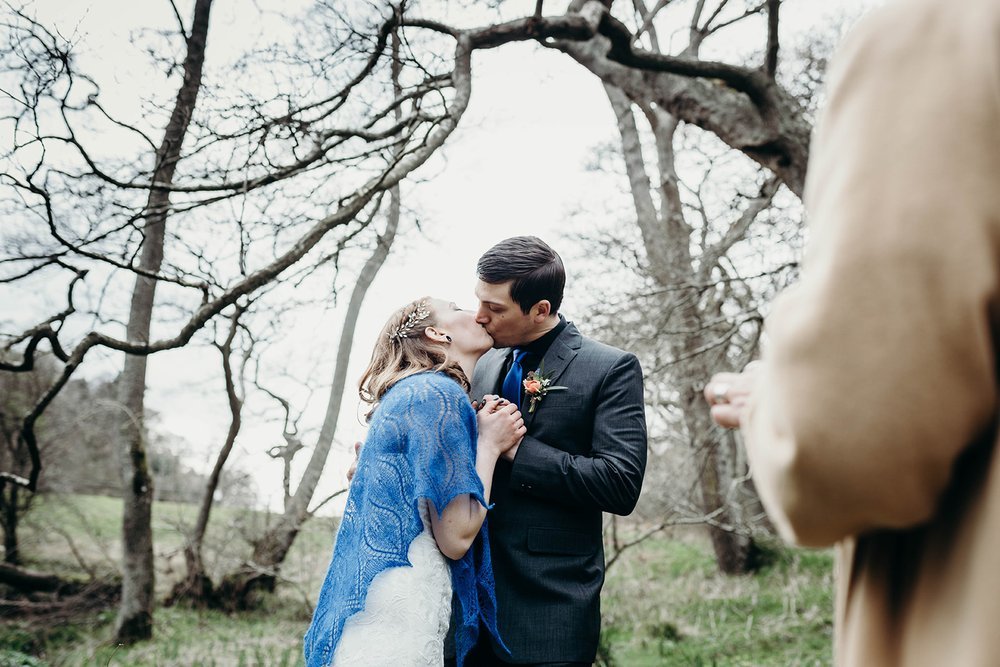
pixel 354 464
pixel 501 426
pixel 729 395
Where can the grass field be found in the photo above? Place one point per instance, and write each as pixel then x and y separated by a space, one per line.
pixel 663 604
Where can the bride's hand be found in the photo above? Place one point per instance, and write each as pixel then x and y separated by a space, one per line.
pixel 501 426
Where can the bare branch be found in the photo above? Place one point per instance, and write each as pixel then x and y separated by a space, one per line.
pixel 349 208
pixel 712 29
pixel 38 334
pixel 620 548
pixel 696 16
pixel 335 494
pixel 646 16
pixel 16 479
pixel 181 28
pixel 719 341
pixel 707 27
pixel 752 83
pixel 755 207
pixel 580 26
pixel 771 57
pixel 44 331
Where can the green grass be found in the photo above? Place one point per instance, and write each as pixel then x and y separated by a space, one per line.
pixel 90 527
pixel 271 636
pixel 664 604
pixel 62 531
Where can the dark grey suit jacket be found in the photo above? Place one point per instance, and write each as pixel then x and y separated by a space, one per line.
pixel 584 454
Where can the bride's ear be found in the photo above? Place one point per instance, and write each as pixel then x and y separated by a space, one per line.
pixel 437 335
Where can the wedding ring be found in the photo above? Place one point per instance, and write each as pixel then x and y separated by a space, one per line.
pixel 720 393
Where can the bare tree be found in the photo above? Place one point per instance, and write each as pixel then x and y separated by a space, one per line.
pixel 340 150
pixel 271 548
pixel 135 617
pixel 691 312
pixel 697 304
pixel 378 145
pixel 196 585
pixel 746 107
pixel 17 392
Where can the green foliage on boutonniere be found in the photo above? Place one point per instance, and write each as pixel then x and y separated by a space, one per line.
pixel 536 386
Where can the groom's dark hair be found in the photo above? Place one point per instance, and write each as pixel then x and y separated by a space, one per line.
pixel 535 269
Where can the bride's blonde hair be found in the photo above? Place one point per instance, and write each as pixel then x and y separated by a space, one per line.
pixel 402 350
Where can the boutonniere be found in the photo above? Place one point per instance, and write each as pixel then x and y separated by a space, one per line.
pixel 536 386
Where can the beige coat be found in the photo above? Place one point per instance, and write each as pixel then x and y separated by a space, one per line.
pixel 873 425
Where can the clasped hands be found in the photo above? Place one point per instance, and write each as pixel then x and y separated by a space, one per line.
pixel 510 420
pixel 501 425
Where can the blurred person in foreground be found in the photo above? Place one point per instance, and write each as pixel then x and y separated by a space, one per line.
pixel 414 532
pixel 871 422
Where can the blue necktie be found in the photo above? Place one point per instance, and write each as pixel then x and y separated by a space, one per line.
pixel 511 389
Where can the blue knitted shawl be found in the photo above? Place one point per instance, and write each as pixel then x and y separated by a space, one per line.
pixel 421 444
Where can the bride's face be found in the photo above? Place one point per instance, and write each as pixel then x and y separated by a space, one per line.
pixel 467 336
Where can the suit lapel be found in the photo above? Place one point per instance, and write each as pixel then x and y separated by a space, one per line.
pixel 486 374
pixel 555 361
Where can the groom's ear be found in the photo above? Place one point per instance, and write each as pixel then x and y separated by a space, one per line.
pixel 541 310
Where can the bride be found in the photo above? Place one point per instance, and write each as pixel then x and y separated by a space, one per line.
pixel 414 528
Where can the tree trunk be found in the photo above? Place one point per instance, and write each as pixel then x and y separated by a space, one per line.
pixel 27 580
pixel 667 240
pixel 8 500
pixel 197 587
pixel 721 472
pixel 13 504
pixel 135 617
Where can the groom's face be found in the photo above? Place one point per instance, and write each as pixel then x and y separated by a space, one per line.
pixel 501 316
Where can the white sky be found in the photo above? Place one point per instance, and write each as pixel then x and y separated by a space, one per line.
pixel 515 166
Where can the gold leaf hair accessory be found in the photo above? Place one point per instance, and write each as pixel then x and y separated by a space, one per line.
pixel 420 313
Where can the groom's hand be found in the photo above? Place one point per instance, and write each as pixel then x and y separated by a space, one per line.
pixel 512 452
pixel 501 402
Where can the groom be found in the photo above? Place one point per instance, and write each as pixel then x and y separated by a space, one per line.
pixel 584 454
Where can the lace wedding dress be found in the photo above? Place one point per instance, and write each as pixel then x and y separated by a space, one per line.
pixel 412 603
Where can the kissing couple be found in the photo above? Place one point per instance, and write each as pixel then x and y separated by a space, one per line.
pixel 497 438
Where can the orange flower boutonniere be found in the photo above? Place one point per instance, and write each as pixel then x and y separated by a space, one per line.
pixel 536 386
